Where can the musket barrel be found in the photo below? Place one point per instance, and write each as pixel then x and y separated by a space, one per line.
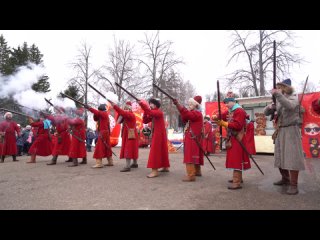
pixel 21 114
pixel 125 90
pixel 219 109
pixel 164 92
pixel 97 91
pixel 80 103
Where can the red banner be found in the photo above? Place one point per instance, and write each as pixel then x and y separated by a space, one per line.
pixel 310 127
pixel 211 109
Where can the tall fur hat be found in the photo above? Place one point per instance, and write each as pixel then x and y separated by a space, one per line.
pixel 196 100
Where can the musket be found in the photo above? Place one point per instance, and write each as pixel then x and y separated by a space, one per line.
pixel 39 111
pixel 80 103
pixel 99 93
pixel 18 113
pixel 195 139
pixel 164 92
pixel 27 107
pixel 53 106
pixel 219 110
pixel 250 156
pixel 304 89
pixel 274 78
pixel 200 147
pixel 125 90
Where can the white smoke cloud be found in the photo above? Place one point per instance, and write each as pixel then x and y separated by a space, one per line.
pixel 30 98
pixel 65 103
pixel 21 81
pixel 19 86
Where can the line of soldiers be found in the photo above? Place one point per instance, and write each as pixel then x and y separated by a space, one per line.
pixel 288 159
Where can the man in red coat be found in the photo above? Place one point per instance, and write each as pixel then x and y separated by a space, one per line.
pixel 78 133
pixel 159 155
pixel 193 155
pixel 129 135
pixel 8 130
pixel 63 139
pixel 208 136
pixel 42 144
pixel 237 159
pixel 103 146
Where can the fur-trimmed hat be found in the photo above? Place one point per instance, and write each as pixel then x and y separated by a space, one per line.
pixel 229 97
pixel 102 107
pixel 155 101
pixel 79 111
pixel 128 105
pixel 196 100
pixel 6 114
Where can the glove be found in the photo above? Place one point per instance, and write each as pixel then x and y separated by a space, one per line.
pixel 175 101
pixel 222 123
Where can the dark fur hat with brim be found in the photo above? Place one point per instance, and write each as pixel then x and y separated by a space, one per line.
pixel 155 101
pixel 286 83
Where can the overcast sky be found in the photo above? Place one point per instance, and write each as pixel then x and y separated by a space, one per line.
pixel 205 52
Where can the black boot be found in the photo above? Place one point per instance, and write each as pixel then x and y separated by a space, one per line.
pixel 69 160
pixel 14 158
pixel 74 162
pixel 84 160
pixel 53 160
pixel 2 158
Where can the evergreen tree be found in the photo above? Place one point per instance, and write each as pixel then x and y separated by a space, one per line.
pixel 42 85
pixel 73 91
pixel 4 57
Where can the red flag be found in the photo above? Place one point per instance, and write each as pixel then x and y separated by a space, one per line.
pixel 310 127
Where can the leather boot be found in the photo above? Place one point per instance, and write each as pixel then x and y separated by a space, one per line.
pixel 154 173
pixel 69 160
pixel 237 175
pixel 74 162
pixel 231 181
pixel 2 158
pixel 14 158
pixel 53 160
pixel 198 170
pixel 98 163
pixel 32 159
pixel 191 173
pixel 84 160
pixel 293 188
pixel 110 162
pixel 285 180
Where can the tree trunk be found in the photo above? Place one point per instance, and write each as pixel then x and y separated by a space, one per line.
pixel 261 73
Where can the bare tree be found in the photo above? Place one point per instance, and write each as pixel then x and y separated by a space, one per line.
pixel 257 47
pixel 121 69
pixel 83 73
pixel 159 59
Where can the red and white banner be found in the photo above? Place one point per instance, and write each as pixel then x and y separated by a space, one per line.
pixel 310 127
